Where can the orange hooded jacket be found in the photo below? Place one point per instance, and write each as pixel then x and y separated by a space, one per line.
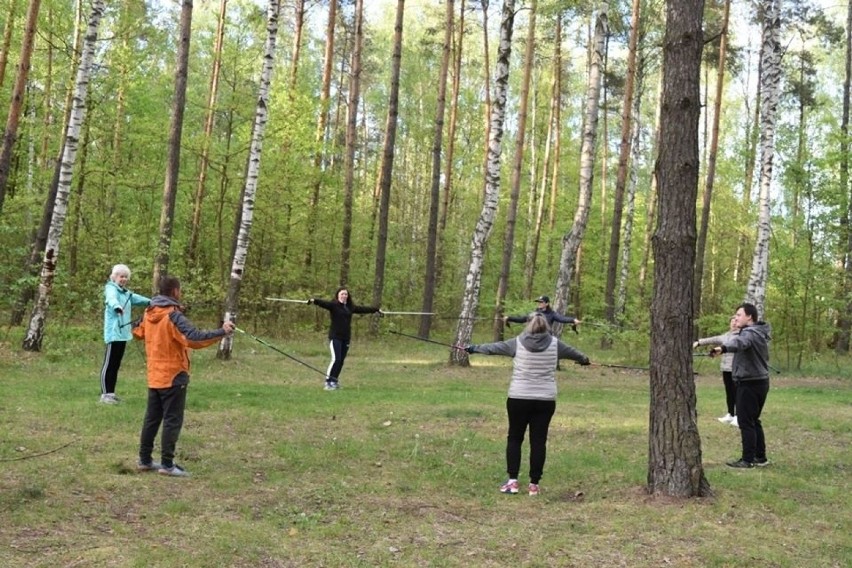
pixel 168 336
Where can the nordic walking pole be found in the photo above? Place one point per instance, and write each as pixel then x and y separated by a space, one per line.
pixel 408 313
pixel 299 361
pixel 460 348
pixel 286 300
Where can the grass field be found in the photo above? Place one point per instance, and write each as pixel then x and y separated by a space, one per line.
pixel 400 468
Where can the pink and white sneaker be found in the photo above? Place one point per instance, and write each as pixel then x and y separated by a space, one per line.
pixel 510 487
pixel 534 490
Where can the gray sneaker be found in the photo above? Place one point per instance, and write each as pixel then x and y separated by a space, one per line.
pixel 108 399
pixel 174 471
pixel 149 466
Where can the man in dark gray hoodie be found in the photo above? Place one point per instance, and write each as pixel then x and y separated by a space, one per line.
pixel 751 374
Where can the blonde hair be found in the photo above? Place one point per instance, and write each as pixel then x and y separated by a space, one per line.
pixel 537 323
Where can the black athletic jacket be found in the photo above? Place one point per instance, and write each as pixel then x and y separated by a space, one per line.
pixel 341 317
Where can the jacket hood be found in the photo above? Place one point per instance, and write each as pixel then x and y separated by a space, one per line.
pixel 155 311
pixel 761 328
pixel 535 341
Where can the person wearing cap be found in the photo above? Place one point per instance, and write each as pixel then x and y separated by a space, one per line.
pixel 549 313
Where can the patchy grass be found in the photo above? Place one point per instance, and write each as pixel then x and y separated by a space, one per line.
pixel 400 467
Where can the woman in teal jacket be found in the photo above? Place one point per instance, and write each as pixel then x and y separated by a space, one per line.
pixel 118 301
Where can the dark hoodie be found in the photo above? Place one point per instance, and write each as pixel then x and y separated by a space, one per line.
pixel 751 352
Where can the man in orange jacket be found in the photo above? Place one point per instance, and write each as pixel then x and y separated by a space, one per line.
pixel 168 336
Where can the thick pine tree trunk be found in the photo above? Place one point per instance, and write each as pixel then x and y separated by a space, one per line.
pixel 674 456
pixel 261 116
pixel 473 280
pixel 35 331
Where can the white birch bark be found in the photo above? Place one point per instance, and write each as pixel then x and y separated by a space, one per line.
pixel 571 241
pixel 35 331
pixel 261 116
pixel 473 280
pixel 770 92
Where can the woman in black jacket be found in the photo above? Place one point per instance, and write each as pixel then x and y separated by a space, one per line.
pixel 340 310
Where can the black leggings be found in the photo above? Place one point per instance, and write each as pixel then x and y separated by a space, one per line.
pixel 339 349
pixel 730 392
pixel 536 414
pixel 112 362
pixel 751 396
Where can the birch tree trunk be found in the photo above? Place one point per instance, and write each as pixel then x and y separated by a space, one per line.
pixel 515 187
pixel 482 231
pixel 167 212
pixel 322 125
pixel 35 331
pixel 621 175
pixel 674 456
pixel 430 275
pixel 351 140
pixel 770 94
pixel 206 140
pixel 261 116
pixel 711 167
pixel 486 69
pixel 17 102
pixel 571 241
pixel 844 322
pixel 386 173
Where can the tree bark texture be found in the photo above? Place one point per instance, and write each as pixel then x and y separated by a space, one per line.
pixel 845 320
pixel 674 455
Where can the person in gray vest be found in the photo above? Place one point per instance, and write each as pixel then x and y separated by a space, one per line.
pixel 532 394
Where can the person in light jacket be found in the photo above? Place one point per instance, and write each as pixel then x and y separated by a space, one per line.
pixel 118 301
pixel 532 394
pixel 725 365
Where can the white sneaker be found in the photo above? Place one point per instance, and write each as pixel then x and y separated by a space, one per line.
pixel 734 422
pixel 108 399
pixel 726 419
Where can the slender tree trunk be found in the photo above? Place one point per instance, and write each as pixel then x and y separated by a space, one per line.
pixel 47 106
pixel 711 168
pixel 35 330
pixel 298 23
pixel 167 213
pixel 77 203
pixel 572 240
pixel 451 132
pixel 621 175
pixel 515 188
pixel 207 137
pixel 486 68
pixel 674 456
pixel 261 116
pixel 386 174
pixel 430 278
pixel 7 39
pixel 651 202
pixel 751 139
pixel 351 140
pixel 18 93
pixel 551 152
pixel 845 321
pixel 321 134
pixel 770 94
pixel 473 280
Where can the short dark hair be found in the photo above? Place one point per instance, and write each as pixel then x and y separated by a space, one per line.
pixel 750 310
pixel 168 285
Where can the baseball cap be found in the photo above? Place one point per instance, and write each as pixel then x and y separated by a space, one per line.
pixel 544 299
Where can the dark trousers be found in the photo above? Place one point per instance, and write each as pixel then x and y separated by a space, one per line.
pixel 165 406
pixel 730 392
pixel 339 349
pixel 751 395
pixel 112 362
pixel 536 414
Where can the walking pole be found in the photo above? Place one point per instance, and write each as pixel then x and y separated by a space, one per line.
pixel 460 348
pixel 384 313
pixel 286 300
pixel 299 361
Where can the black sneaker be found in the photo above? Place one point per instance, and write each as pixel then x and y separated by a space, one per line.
pixel 761 462
pixel 740 464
